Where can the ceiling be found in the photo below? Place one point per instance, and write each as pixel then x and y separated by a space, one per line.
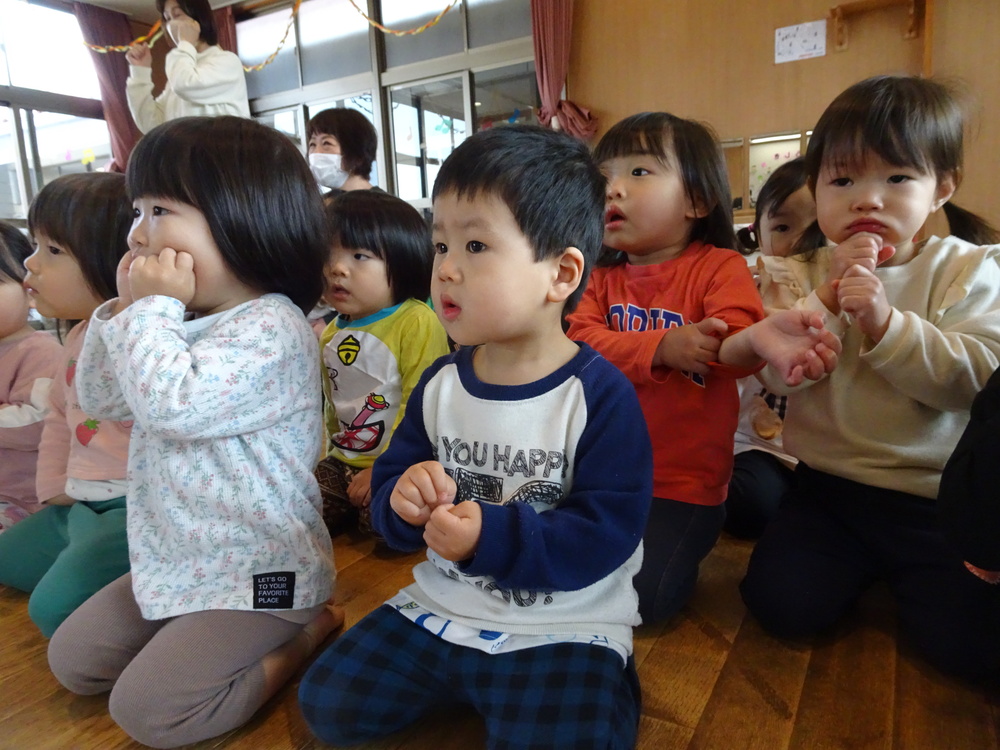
pixel 143 10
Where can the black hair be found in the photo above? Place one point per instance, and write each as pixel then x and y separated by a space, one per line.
pixel 88 215
pixel 699 159
pixel 393 230
pixel 787 179
pixel 14 250
pixel 548 181
pixel 357 137
pixel 201 12
pixel 908 122
pixel 256 193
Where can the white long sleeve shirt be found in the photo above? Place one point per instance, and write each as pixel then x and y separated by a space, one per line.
pixel 224 511
pixel 206 83
pixel 892 412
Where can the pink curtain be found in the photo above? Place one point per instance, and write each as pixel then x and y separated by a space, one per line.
pixel 225 26
pixel 552 31
pixel 106 27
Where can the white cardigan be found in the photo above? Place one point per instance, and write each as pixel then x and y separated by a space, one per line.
pixel 198 83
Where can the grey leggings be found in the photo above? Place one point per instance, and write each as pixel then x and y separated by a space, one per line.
pixel 172 681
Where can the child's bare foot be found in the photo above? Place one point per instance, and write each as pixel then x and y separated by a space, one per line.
pixel 281 663
pixel 316 631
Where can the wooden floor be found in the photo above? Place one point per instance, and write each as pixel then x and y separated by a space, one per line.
pixel 711 679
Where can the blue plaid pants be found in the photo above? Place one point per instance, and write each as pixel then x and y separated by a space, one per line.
pixel 385 673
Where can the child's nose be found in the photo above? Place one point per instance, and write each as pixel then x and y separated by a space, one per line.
pixel 137 235
pixel 614 188
pixel 446 268
pixel 31 264
pixel 867 199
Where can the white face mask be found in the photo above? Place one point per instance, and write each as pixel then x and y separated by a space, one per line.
pixel 327 171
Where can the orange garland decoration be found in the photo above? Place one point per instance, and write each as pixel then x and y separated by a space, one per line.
pixel 155 32
pixel 406 32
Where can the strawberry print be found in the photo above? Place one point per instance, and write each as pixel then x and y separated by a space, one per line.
pixel 85 431
pixel 70 371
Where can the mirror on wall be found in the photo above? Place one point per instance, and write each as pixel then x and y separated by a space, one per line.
pixel 750 161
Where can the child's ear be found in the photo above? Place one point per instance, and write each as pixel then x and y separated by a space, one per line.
pixel 697 208
pixel 946 187
pixel 568 273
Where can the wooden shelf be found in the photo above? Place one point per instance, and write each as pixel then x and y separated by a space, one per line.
pixel 841 13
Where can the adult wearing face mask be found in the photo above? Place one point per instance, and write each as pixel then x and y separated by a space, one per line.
pixel 342 147
pixel 202 78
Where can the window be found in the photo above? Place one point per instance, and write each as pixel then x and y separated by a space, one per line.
pixel 334 41
pixel 11 192
pixel 256 39
pixel 28 36
pixel 493 21
pixel 428 122
pixel 51 122
pixel 472 69
pixel 505 95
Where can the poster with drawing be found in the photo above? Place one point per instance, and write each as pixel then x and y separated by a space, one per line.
pixel 800 42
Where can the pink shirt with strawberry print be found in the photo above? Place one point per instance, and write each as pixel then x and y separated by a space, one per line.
pixel 223 507
pixel 89 454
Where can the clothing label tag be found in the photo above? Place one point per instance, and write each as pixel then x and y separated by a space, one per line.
pixel 273 590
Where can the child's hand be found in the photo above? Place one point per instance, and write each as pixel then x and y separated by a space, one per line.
pixel 861 294
pixel 184 29
pixel 796 344
pixel 359 491
pixel 122 282
pixel 170 274
pixel 139 55
pixel 691 347
pixel 862 249
pixel 420 490
pixel 453 530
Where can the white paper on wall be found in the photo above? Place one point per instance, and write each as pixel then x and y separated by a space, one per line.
pixel 800 42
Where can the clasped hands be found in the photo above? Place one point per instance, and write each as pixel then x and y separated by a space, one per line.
pixel 170 273
pixel 852 286
pixel 424 496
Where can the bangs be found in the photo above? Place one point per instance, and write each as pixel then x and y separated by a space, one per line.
pixel 849 144
pixel 644 133
pixel 163 165
pixel 906 122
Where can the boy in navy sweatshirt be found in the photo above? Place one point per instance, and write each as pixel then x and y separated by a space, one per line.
pixel 523 465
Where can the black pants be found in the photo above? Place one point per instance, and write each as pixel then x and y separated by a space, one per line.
pixel 759 484
pixel 833 538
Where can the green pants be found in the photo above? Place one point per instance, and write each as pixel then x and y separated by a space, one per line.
pixel 63 554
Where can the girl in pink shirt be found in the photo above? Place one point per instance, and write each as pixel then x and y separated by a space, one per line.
pixel 27 362
pixel 75 544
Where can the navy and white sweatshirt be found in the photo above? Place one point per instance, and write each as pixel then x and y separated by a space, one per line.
pixel 562 468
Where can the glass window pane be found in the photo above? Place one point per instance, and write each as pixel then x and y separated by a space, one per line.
pixel 428 122
pixel 334 41
pixel 362 103
pixel 29 34
pixel 492 21
pixel 257 38
pixel 11 194
pixel 766 157
pixel 505 95
pixel 284 121
pixel 68 144
pixel 444 38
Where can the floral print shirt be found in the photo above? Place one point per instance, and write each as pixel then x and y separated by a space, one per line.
pixel 224 511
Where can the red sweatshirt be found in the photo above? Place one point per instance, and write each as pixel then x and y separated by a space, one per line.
pixel 691 418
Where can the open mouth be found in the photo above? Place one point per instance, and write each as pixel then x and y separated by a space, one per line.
pixel 449 310
pixel 613 217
